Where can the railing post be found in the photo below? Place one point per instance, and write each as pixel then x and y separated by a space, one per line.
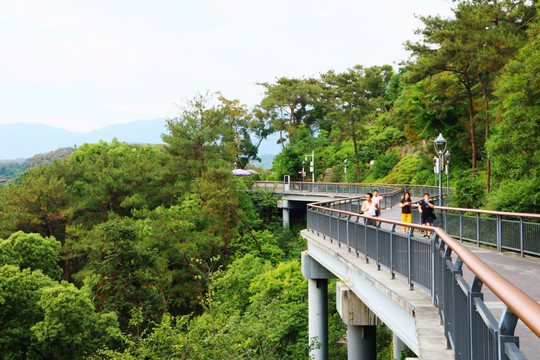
pixel 507 326
pixel 409 261
pixel 461 226
pixel 432 249
pixel 392 251
pixel 348 244
pixel 478 229
pixel 498 229
pixel 377 226
pixel 365 242
pixel 521 237
pixel 474 292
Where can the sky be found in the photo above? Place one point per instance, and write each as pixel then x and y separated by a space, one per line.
pixel 82 65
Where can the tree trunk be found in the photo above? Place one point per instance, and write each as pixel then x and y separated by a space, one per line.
pixel 486 109
pixel 355 151
pixel 471 117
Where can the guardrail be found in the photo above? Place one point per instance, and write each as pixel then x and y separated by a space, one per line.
pixel 493 230
pixel 498 231
pixel 471 329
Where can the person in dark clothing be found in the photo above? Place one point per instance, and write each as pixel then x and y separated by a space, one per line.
pixel 426 213
pixel 406 204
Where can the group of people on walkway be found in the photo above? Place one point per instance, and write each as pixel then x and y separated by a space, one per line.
pixel 371 208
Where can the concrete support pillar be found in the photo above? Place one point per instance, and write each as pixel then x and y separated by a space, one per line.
pixel 285 218
pixel 317 276
pixel 361 342
pixel 361 324
pixel 318 318
pixel 398 346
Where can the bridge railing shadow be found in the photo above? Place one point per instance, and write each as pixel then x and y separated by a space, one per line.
pixel 471 329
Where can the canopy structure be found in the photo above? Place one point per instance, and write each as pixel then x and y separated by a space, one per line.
pixel 241 172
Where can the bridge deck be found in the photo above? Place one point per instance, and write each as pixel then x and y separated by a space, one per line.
pixel 523 272
pixel 383 293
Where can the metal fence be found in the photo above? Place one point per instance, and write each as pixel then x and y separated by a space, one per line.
pixel 493 230
pixel 470 327
pixel 497 229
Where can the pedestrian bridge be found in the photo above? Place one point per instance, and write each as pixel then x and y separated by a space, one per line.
pixel 437 295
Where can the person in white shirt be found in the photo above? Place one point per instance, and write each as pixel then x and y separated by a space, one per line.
pixel 370 208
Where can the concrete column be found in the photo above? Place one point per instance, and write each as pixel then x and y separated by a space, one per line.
pixel 285 218
pixel 361 324
pixel 361 342
pixel 398 346
pixel 318 318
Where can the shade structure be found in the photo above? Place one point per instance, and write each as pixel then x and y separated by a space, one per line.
pixel 252 171
pixel 241 172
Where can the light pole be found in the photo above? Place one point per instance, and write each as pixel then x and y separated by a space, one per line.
pixel 345 168
pixel 447 157
pixel 440 148
pixel 311 165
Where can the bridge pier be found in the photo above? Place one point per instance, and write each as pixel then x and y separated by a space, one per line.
pixel 361 324
pixel 317 277
pixel 398 347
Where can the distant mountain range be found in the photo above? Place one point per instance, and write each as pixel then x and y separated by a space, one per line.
pixel 24 140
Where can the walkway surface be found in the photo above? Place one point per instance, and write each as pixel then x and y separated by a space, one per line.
pixel 524 272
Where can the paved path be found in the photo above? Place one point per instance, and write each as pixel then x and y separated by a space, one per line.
pixel 522 272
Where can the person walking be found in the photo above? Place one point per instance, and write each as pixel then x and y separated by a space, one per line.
pixel 369 207
pixel 376 199
pixel 426 213
pixel 406 214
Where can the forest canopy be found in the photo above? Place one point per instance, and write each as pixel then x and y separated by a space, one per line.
pixel 119 251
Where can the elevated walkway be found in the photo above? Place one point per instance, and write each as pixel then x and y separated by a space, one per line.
pixel 409 314
pixel 522 272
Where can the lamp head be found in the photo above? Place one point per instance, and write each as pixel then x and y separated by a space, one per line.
pixel 440 145
pixel 447 157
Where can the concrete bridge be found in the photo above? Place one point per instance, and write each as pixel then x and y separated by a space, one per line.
pixel 438 296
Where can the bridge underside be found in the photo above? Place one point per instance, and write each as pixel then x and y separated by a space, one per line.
pixel 409 314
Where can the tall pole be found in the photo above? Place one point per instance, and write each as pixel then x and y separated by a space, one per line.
pixel 313 166
pixel 440 148
pixel 440 179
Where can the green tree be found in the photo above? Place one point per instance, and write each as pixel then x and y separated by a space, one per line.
pixel 291 102
pixel 70 328
pixel 19 310
pixel 32 251
pixel 194 138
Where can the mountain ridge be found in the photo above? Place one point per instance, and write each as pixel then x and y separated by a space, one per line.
pixel 23 140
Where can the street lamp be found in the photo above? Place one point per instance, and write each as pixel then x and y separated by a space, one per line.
pixel 311 165
pixel 440 148
pixel 447 157
pixel 345 168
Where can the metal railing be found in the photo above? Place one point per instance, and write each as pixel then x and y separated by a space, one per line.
pixel 483 227
pixel 493 228
pixel 470 327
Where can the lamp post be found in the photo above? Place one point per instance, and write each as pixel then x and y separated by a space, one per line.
pixel 345 168
pixel 311 165
pixel 440 148
pixel 447 157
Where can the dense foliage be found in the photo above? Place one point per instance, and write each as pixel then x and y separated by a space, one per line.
pixel 124 251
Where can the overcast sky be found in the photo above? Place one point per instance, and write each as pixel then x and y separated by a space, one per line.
pixel 81 65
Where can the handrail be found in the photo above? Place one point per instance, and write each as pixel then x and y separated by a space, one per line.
pixel 521 304
pixel 490 212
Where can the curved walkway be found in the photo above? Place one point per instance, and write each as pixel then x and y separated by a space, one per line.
pixel 522 272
